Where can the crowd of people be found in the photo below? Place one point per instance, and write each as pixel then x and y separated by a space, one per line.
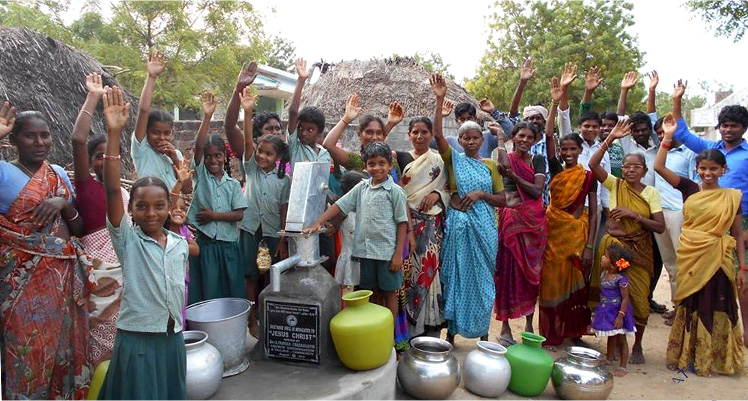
pixel 506 222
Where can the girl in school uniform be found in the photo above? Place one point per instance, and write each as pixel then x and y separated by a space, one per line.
pixel 177 223
pixel 266 190
pixel 216 210
pixel 148 360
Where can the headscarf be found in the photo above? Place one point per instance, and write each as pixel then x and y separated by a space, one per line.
pixel 530 111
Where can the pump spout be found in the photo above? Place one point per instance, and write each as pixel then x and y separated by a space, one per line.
pixel 280 267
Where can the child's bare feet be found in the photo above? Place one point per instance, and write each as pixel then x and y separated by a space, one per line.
pixel 620 372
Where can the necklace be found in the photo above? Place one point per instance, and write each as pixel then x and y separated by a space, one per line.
pixel 23 168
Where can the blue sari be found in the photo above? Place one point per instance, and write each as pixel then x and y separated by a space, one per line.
pixel 469 254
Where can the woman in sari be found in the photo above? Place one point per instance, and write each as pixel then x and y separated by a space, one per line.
pixel 635 212
pixel 88 155
pixel 706 333
pixel 569 251
pixel 42 277
pixel 425 183
pixel 522 230
pixel 470 240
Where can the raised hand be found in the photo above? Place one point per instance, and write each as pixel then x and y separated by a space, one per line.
pixel 654 79
pixel 209 103
pixel 301 69
pixel 447 107
pixel 679 89
pixel 93 84
pixel 116 110
pixel 486 105
pixel 622 128
pixel 247 99
pixel 353 110
pixel 496 129
pixel 629 80
pixel 527 71
pixel 156 64
pixel 183 172
pixel 247 75
pixel 568 75
pixel 395 114
pixel 593 79
pixel 669 125
pixel 556 91
pixel 438 85
pixel 7 118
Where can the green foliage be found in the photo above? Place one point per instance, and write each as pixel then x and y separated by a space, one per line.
pixel 728 17
pixel 205 41
pixel 434 63
pixel 553 33
pixel 664 102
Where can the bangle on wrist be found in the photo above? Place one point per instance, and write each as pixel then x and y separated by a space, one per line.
pixel 74 217
pixel 621 313
pixel 345 121
pixel 111 157
pixel 666 145
pixel 86 112
pixel 744 268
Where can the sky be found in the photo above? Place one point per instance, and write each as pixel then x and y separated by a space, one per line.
pixel 676 42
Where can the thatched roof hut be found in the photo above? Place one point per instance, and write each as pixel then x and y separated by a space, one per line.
pixel 379 82
pixel 40 73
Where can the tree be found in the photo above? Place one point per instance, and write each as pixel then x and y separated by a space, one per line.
pixel 664 102
pixel 434 63
pixel 552 33
pixel 728 17
pixel 205 41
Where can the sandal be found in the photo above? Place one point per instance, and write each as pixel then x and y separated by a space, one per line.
pixel 657 308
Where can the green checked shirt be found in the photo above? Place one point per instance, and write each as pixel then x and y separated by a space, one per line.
pixel 224 195
pixel 151 163
pixel 379 209
pixel 152 278
pixel 265 194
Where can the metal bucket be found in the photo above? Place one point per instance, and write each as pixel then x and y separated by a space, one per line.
pixel 225 321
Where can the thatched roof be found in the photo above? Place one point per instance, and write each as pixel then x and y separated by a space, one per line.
pixel 40 73
pixel 379 82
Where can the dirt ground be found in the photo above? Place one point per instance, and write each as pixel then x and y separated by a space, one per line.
pixel 649 381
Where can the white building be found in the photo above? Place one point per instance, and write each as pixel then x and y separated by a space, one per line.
pixel 704 119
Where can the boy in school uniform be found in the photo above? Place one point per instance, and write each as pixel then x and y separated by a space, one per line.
pixel 381 225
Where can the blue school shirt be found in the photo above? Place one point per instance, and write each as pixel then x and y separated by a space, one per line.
pixel 152 278
pixel 13 180
pixel 218 195
pixel 737 160
pixel 151 163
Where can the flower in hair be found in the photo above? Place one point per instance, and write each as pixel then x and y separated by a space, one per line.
pixel 622 264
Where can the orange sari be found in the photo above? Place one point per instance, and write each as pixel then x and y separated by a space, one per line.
pixel 563 291
pixel 43 300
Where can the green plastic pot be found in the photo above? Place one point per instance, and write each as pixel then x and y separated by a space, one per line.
pixel 531 366
pixel 363 332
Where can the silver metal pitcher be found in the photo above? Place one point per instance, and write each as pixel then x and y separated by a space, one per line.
pixel 429 370
pixel 225 321
pixel 580 376
pixel 204 366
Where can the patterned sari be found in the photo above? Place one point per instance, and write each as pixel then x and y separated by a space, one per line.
pixel 639 241
pixel 563 290
pixel 469 254
pixel 43 293
pixel 421 282
pixel 706 333
pixel 522 238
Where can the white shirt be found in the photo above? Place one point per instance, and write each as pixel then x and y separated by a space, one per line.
pixel 564 127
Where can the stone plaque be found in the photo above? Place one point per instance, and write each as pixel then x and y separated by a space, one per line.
pixel 292 331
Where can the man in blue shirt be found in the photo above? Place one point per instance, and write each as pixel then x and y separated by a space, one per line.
pixel 732 123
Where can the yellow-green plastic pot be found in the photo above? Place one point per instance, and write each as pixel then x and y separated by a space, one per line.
pixel 363 332
pixel 98 380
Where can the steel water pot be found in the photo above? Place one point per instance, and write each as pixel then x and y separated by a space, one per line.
pixel 486 371
pixel 580 375
pixel 429 369
pixel 204 366
pixel 225 321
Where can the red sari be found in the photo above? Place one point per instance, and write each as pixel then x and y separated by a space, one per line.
pixel 522 238
pixel 43 300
